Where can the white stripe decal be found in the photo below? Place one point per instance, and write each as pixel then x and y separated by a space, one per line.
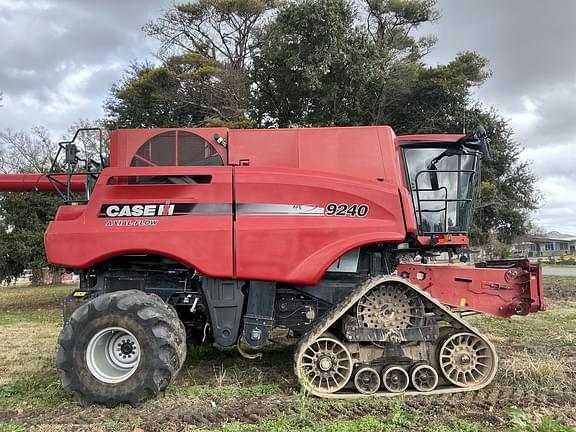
pixel 281 209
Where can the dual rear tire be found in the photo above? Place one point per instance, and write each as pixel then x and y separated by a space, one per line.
pixel 121 347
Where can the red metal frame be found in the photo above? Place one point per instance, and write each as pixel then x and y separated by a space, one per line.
pixel 498 291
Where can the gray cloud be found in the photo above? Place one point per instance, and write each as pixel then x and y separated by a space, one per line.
pixel 530 43
pixel 57 55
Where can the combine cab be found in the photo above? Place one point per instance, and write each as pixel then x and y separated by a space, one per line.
pixel 216 235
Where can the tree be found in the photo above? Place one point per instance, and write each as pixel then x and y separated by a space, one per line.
pixel 207 46
pixel 420 98
pixel 318 66
pixel 188 90
pixel 23 219
pixel 23 216
pixel 25 152
pixel 222 30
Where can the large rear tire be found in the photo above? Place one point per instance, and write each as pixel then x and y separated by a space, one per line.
pixel 121 347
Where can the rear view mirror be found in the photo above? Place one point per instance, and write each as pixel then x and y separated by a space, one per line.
pixel 479 137
pixel 484 143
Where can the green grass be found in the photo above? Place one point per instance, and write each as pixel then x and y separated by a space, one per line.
pixel 521 422
pixel 458 425
pixel 33 297
pixel 218 374
pixel 32 316
pixel 41 305
pixel 39 391
pixel 397 420
pixel 287 424
pixel 12 427
pixel 567 282
pixel 273 355
pixel 534 329
pixel 227 391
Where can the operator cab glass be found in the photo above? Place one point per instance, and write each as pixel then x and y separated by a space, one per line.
pixel 443 179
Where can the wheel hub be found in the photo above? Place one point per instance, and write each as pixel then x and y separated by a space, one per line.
pixel 113 355
pixel 395 379
pixel 127 348
pixel 367 380
pixel 325 364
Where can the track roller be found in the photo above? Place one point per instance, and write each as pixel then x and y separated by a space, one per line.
pixel 367 380
pixel 424 377
pixel 395 379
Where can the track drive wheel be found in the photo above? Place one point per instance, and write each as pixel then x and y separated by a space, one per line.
pixel 325 365
pixel 466 360
pixel 121 347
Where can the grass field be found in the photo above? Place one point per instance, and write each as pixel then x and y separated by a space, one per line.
pixel 217 390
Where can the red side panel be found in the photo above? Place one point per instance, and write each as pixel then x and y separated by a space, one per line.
pixel 199 233
pixel 363 152
pixel 284 231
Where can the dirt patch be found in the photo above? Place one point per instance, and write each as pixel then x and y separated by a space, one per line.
pixel 485 407
pixel 163 414
pixel 560 288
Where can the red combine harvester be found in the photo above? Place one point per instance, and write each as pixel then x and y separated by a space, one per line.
pixel 217 235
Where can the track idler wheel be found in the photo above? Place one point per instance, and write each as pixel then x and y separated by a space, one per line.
pixel 325 365
pixel 466 360
pixel 395 379
pixel 424 377
pixel 367 380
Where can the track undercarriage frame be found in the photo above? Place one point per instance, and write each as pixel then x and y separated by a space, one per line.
pixel 436 351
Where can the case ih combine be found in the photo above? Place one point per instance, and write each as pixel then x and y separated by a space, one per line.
pixel 216 235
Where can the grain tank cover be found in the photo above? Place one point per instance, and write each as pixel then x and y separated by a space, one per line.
pixel 365 152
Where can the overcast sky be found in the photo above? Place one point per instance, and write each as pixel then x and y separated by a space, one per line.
pixel 58 59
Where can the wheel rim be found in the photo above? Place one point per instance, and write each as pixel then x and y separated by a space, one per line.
pixel 113 355
pixel 424 378
pixel 466 360
pixel 395 379
pixel 367 381
pixel 390 306
pixel 325 365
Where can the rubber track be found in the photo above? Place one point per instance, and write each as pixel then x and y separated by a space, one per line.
pixel 324 323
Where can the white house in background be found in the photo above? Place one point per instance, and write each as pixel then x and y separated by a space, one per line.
pixel 553 244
